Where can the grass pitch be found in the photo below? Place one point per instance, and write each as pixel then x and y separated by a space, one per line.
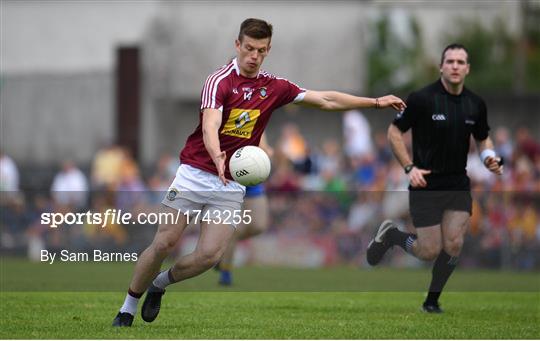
pixel 199 309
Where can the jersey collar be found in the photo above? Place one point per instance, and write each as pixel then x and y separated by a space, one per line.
pixel 236 67
pixel 443 90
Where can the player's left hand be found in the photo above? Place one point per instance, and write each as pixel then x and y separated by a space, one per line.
pixel 391 101
pixel 219 161
pixel 492 163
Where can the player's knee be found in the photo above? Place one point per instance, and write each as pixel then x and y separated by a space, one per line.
pixel 163 246
pixel 208 257
pixel 431 252
pixel 453 246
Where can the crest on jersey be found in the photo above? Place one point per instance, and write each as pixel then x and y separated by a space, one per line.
pixel 241 122
pixel 263 93
pixel 438 117
pixel 173 192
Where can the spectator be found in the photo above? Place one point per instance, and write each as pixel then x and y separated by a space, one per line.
pixel 161 179
pixel 526 145
pixel 107 167
pixel 294 146
pixel 330 159
pixel 382 149
pixel 131 190
pixel 357 134
pixel 70 186
pixel 9 174
pixel 503 144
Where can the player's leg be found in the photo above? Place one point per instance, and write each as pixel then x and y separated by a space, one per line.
pixel 454 227
pixel 426 243
pixel 213 241
pixel 212 244
pixel 149 263
pixel 257 208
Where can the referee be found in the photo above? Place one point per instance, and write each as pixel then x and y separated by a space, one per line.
pixel 442 116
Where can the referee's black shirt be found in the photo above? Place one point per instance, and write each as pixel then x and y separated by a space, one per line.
pixel 441 125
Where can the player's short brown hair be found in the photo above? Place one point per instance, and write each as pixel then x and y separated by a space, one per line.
pixel 255 28
pixel 454 46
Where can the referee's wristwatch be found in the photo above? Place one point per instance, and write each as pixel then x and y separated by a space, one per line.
pixel 408 168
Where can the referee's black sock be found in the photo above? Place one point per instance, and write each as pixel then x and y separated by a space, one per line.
pixel 402 239
pixel 442 269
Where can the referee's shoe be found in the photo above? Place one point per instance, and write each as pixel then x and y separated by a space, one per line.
pixel 378 246
pixel 152 303
pixel 432 308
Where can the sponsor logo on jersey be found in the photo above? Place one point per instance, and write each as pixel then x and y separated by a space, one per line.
pixel 263 93
pixel 438 117
pixel 241 122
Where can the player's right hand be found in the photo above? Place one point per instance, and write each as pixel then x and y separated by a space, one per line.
pixel 392 101
pixel 219 161
pixel 416 177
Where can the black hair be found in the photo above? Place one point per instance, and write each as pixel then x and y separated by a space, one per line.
pixel 454 46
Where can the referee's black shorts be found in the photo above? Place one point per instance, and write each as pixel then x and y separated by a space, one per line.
pixel 427 206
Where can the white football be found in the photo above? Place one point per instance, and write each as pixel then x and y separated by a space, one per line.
pixel 249 165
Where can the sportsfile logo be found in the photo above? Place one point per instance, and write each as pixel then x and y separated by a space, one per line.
pixel 108 218
pixel 438 117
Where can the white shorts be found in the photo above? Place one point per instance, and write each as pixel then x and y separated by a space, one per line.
pixel 194 191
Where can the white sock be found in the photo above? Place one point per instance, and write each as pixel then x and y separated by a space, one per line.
pixel 162 280
pixel 130 305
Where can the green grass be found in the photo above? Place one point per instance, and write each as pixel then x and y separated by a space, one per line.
pixel 21 275
pixel 234 315
pixel 79 300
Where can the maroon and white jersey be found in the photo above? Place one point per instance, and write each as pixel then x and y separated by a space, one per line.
pixel 246 105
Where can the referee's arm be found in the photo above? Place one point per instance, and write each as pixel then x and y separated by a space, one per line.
pixel 416 175
pixel 395 136
pixel 490 160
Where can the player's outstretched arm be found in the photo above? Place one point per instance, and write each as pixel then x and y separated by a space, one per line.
pixel 488 156
pixel 211 121
pixel 339 101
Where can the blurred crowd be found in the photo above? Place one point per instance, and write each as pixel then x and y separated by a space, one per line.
pixel 351 186
pixel 337 192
